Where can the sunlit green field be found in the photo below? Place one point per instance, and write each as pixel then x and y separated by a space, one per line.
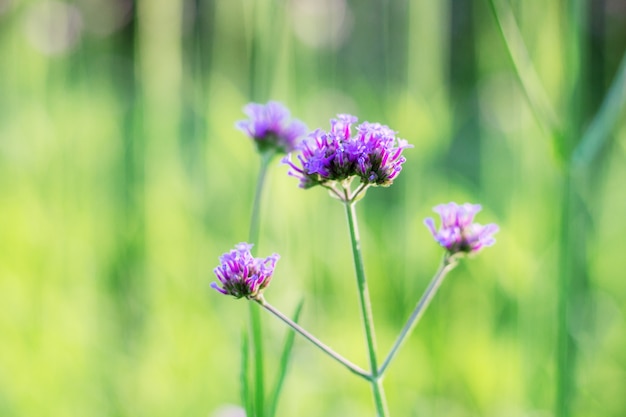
pixel 123 179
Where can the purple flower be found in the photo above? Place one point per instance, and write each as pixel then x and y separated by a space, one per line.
pixel 373 154
pixel 242 275
pixel 271 127
pixel 458 233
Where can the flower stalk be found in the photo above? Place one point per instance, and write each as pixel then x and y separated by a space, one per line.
pixel 325 348
pixel 447 264
pixel 257 352
pixel 366 311
pixel 255 223
pixel 256 327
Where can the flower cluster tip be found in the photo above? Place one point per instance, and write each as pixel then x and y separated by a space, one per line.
pixel 372 154
pixel 458 232
pixel 271 127
pixel 242 275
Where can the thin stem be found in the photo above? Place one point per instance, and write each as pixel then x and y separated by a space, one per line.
pixel 351 367
pixel 356 195
pixel 447 264
pixel 366 311
pixel 524 70
pixel 245 385
pixel 334 191
pixel 255 317
pixel 253 236
pixel 257 348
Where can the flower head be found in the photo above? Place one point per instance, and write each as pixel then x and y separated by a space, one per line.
pixel 242 275
pixel 458 233
pixel 373 154
pixel 270 126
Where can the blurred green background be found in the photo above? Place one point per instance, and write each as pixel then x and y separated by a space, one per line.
pixel 123 179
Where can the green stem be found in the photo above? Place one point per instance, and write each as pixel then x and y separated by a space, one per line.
pixel 253 236
pixel 351 367
pixel 366 311
pixel 245 386
pixel 447 264
pixel 255 317
pixel 257 348
pixel 528 79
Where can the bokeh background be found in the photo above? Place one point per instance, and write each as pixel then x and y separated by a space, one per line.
pixel 122 180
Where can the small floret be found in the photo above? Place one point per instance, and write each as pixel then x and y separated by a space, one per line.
pixel 242 275
pixel 458 232
pixel 271 127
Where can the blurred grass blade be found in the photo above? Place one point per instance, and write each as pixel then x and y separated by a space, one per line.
pixel 244 383
pixel 526 74
pixel 604 121
pixel 284 362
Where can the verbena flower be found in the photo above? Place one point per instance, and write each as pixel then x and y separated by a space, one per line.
pixel 242 275
pixel 458 232
pixel 270 126
pixel 373 154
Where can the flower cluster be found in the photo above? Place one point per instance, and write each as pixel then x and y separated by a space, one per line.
pixel 242 275
pixel 373 154
pixel 458 233
pixel 271 127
